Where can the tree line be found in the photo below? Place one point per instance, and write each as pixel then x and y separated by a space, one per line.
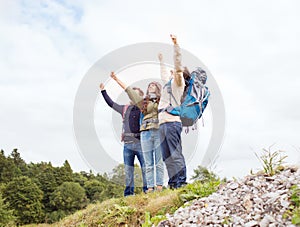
pixel 42 193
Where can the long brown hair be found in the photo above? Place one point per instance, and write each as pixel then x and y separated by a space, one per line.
pixel 147 97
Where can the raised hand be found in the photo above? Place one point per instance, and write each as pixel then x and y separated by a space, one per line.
pixel 113 75
pixel 160 56
pixel 174 39
pixel 102 87
pixel 122 84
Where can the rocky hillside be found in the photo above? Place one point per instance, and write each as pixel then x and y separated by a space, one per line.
pixel 256 200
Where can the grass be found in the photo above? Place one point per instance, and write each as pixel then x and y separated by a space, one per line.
pixel 124 211
pixel 294 210
pixel 139 210
pixel 148 209
pixel 271 160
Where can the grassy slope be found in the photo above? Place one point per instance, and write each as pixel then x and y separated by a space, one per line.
pixel 130 211
pixel 117 212
pixel 138 209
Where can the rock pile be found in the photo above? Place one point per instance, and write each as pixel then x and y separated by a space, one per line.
pixel 256 200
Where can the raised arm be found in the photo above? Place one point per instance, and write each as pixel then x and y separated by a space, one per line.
pixel 109 101
pixel 163 69
pixel 133 95
pixel 121 83
pixel 178 76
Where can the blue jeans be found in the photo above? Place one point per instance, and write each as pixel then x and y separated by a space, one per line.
pixel 150 141
pixel 130 151
pixel 170 135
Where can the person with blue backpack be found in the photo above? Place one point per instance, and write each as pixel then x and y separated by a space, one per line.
pixel 150 137
pixel 170 125
pixel 130 137
pixel 184 98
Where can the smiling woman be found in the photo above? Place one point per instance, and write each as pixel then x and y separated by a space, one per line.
pixel 150 139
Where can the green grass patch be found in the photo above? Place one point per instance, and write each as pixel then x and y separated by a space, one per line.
pixel 139 210
pixel 294 210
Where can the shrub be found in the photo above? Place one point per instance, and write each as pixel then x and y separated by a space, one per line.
pixel 294 209
pixel 271 161
pixel 69 196
pixel 6 215
pixel 25 198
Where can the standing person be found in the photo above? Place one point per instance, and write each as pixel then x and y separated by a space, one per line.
pixel 131 138
pixel 170 126
pixel 150 138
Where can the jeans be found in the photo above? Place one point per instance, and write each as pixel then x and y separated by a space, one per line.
pixel 130 151
pixel 150 141
pixel 170 135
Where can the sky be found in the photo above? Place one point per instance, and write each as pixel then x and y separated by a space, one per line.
pixel 250 47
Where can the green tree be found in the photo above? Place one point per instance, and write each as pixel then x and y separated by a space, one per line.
pixel 6 215
pixel 64 173
pixel 68 197
pixel 34 169
pixel 118 177
pixel 88 176
pixel 46 180
pixel 79 178
pixel 15 156
pixel 25 198
pixel 8 169
pixel 118 174
pixel 95 190
pixel 203 175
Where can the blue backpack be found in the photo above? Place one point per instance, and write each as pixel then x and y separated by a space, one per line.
pixel 194 99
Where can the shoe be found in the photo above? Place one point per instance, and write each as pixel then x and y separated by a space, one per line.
pixel 172 186
pixel 159 188
pixel 150 190
pixel 182 184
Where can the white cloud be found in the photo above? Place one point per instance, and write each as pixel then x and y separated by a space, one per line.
pixel 250 47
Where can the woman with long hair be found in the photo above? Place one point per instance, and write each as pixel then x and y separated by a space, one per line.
pixel 150 138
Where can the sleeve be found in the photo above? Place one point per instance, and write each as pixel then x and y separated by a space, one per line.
pixel 178 74
pixel 112 104
pixel 163 73
pixel 134 97
pixel 177 58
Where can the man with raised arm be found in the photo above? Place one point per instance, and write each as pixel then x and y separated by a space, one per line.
pixel 170 125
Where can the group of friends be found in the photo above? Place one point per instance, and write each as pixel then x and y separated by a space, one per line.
pixel 156 139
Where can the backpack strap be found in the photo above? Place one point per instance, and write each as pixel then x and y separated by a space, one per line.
pixel 191 82
pixel 169 90
pixel 201 101
pixel 204 96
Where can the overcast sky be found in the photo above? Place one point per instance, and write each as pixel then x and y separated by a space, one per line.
pixel 251 48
